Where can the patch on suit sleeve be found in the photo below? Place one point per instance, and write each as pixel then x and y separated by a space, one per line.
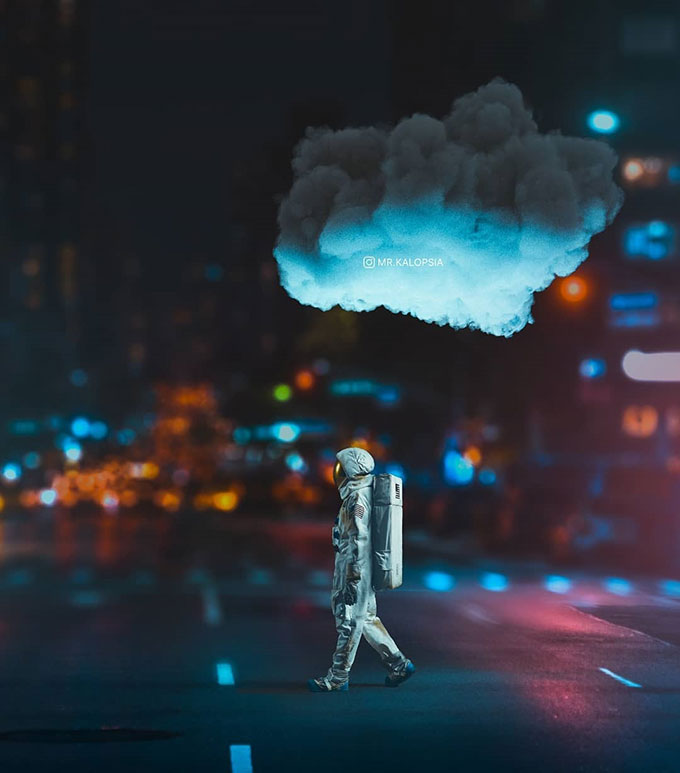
pixel 359 510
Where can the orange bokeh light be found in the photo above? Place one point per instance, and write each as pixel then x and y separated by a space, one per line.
pixel 225 500
pixel 573 289
pixel 304 379
pixel 473 455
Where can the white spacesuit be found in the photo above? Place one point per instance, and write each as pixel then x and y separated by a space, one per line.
pixel 353 598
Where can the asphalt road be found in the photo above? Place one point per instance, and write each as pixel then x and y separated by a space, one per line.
pixel 102 673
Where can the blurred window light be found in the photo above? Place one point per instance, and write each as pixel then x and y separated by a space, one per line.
pixel 321 366
pixel 603 121
pixel 213 272
pixel 486 476
pixel 592 367
pixel 78 377
pixel 439 581
pixel 573 289
pixel 286 432
pixel 640 420
pixel 80 427
pixel 11 472
pixel 674 174
pixel 651 366
pixel 48 497
pixel 458 471
pixel 282 393
pixel 98 430
pixel 241 435
pixel 388 395
pixel 557 584
pixel 494 581
pixel 633 301
pixel 654 240
pixel 32 460
pixel 126 436
pixel 353 387
pixel 618 586
pixel 24 427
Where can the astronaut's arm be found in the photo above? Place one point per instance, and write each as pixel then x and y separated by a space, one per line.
pixel 359 541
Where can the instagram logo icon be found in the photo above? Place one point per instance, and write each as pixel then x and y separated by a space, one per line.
pixel 369 261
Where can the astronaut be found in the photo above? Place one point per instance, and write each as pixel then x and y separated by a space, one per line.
pixel 353 598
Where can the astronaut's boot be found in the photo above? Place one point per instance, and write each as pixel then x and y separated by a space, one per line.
pixel 395 678
pixel 322 684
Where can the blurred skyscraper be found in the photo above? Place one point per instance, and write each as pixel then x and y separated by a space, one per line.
pixel 43 74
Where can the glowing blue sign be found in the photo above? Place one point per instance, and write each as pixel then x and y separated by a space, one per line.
pixel 353 387
pixel 650 318
pixel 603 121
pixel 634 310
pixel 626 301
pixel 655 240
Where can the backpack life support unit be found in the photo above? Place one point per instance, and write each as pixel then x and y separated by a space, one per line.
pixel 386 531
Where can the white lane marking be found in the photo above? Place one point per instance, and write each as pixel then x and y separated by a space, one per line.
pixel 618 678
pixel 241 758
pixel 225 674
pixel 212 609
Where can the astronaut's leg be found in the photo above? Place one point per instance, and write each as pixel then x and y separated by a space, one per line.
pixel 349 623
pixel 377 636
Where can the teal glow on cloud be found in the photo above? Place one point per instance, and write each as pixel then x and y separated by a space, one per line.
pixel 456 221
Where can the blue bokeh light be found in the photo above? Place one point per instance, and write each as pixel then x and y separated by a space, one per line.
pixel 494 581
pixel 11 472
pixel 439 581
pixel 458 471
pixel 592 367
pixel 618 586
pixel 603 121
pixel 80 427
pixel 48 497
pixel 286 432
pixel 78 377
pixel 98 430
pixel 295 462
pixel 487 476
pixel 32 460
pixel 557 584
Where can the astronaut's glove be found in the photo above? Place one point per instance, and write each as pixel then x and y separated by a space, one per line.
pixel 349 594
